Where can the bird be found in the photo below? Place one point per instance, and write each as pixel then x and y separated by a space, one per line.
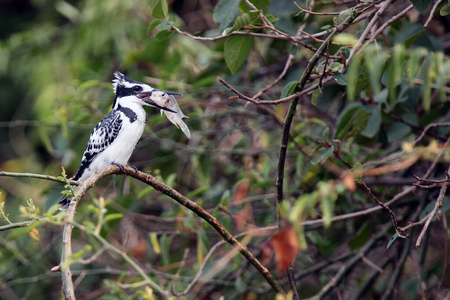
pixel 115 137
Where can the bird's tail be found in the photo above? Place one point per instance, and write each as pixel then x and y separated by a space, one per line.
pixel 65 202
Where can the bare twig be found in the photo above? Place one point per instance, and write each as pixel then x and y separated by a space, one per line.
pixel 290 115
pixel 38 176
pixel 433 10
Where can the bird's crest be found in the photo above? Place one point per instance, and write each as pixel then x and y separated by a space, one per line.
pixel 120 78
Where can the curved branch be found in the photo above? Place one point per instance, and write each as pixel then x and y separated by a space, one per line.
pixel 148 179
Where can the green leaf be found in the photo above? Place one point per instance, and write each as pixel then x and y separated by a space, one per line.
pixel 242 21
pixel 397 131
pixel 395 70
pixel 392 240
pixel 357 171
pixel 159 9
pixel 236 50
pixel 225 11
pixel 153 25
pixel 340 78
pixel 289 89
pixel 445 10
pixel 421 5
pixel 351 122
pixel 259 4
pixel 322 155
pixel 374 121
pixel 162 35
pixel 426 77
pixel 112 217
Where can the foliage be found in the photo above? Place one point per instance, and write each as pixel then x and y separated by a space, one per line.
pixel 366 159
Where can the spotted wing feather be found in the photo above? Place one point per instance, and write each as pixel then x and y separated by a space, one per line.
pixel 101 137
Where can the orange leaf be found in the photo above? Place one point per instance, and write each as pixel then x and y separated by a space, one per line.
pixel 34 234
pixel 243 216
pixel 285 245
pixel 242 191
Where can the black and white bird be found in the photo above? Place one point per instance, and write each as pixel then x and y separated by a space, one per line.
pixel 114 138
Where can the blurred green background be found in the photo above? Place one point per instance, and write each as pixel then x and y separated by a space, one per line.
pixel 57 60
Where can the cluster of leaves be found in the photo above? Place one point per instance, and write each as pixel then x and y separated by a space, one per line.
pixel 364 115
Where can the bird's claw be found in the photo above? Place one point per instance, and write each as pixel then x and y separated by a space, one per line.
pixel 118 165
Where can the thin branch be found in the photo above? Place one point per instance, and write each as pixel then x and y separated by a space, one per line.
pixel 39 176
pixel 159 186
pixel 22 224
pixel 433 10
pixel 290 115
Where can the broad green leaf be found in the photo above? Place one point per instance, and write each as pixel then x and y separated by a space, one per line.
pixel 259 4
pixel 352 121
pixel 340 78
pixel 397 131
pixel 357 171
pixel 374 61
pixel 160 9
pixel 225 11
pixel 426 78
pixel 374 121
pixel 165 34
pixel 153 25
pixel 236 50
pixel 242 21
pixel 289 89
pixel 395 71
pixel 322 155
pixel 421 5
pixel 353 76
pixel 445 10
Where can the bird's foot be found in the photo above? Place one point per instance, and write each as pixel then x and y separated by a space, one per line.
pixel 121 167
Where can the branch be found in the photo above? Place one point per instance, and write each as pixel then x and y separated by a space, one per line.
pixel 148 179
pixel 39 176
pixel 290 115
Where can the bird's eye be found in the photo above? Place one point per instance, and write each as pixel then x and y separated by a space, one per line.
pixel 137 88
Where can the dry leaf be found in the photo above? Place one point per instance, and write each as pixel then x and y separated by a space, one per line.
pixel 242 217
pixel 34 234
pixel 242 191
pixel 349 182
pixel 285 245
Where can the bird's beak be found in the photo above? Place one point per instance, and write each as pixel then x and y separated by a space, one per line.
pixel 146 97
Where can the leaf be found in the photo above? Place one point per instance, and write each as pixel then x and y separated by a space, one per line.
pixel 395 70
pixel 289 89
pixel 155 243
pixel 112 217
pixel 285 245
pixel 262 5
pixel 374 121
pixel 340 78
pixel 163 35
pixel 225 11
pixel 421 5
pixel 159 9
pixel 237 48
pixel 397 131
pixel 392 240
pixel 426 77
pixel 242 191
pixel 153 25
pixel 352 121
pixel 445 10
pixel 34 234
pixel 322 155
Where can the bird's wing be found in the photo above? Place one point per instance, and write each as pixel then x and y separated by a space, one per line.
pixel 101 137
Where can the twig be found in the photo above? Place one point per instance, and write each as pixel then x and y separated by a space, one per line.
pixel 38 176
pixel 429 126
pixel 401 233
pixel 290 115
pixel 22 224
pixel 372 23
pixel 431 215
pixel 433 10
pixel 159 186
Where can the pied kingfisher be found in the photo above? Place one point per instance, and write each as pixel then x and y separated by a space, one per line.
pixel 114 138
